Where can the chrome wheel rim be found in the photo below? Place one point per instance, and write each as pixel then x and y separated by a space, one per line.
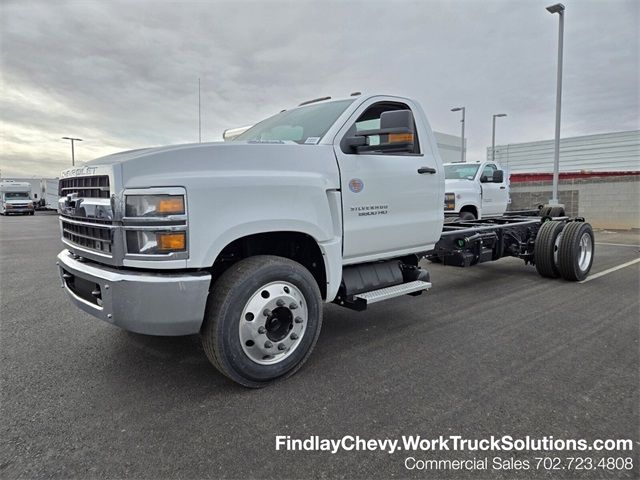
pixel 273 323
pixel 585 253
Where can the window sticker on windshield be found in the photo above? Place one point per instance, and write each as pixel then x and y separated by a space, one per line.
pixel 312 140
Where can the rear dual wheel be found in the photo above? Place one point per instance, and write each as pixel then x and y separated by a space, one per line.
pixel 576 250
pixel 546 248
pixel 262 320
pixel 552 212
pixel 564 250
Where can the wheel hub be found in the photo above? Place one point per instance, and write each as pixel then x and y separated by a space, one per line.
pixel 586 251
pixel 273 323
pixel 279 324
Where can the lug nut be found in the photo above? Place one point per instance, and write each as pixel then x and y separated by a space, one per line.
pixel 298 320
pixel 262 330
pixel 268 344
pixel 293 336
pixel 281 346
pixel 293 305
pixel 266 312
pixel 280 303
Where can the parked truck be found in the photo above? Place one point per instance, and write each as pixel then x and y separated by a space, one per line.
pixel 241 242
pixel 475 190
pixel 50 197
pixel 15 198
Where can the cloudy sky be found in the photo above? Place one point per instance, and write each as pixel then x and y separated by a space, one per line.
pixel 124 75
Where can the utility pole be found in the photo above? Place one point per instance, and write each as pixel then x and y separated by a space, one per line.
pixel 199 115
pixel 493 136
pixel 462 153
pixel 73 154
pixel 559 9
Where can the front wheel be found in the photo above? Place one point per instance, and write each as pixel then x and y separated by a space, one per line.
pixel 262 320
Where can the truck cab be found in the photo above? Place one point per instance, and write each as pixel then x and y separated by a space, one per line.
pixel 475 190
pixel 15 198
pixel 330 201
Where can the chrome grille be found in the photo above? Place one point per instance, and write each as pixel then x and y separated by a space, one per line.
pixel 95 237
pixel 87 187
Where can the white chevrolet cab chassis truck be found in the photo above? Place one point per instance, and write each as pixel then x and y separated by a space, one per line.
pixel 241 242
pixel 475 190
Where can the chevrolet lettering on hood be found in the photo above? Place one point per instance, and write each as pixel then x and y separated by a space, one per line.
pixel 78 172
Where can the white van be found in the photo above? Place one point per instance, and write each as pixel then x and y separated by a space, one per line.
pixel 15 197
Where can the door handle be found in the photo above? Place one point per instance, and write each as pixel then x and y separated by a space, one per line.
pixel 502 188
pixel 422 170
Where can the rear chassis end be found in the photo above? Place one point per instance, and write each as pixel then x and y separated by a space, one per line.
pixel 557 246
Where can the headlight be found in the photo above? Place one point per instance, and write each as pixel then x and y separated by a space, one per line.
pixel 449 201
pixel 154 205
pixel 150 242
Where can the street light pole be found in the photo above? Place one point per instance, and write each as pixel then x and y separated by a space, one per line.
pixel 73 154
pixel 493 136
pixel 559 9
pixel 458 109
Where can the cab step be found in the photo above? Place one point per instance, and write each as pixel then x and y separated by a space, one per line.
pixel 362 300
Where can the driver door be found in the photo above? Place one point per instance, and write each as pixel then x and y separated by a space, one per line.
pixel 388 206
pixel 493 194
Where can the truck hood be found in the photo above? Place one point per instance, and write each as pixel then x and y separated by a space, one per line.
pixel 189 149
pixel 178 165
pixel 456 185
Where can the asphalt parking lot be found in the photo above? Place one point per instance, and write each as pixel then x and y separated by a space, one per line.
pixel 490 350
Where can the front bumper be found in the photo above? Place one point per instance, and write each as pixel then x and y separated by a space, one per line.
pixel 18 209
pixel 142 302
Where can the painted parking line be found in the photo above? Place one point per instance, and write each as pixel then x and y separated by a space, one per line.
pixel 618 244
pixel 610 270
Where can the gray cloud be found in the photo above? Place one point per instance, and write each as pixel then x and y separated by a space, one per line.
pixel 124 75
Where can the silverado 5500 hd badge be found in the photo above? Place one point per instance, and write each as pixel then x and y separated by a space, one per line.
pixel 367 210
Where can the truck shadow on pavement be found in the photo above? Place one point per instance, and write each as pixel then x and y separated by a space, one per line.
pixel 181 362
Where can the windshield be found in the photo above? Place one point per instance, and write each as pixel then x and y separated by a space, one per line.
pixel 14 195
pixel 461 171
pixel 301 125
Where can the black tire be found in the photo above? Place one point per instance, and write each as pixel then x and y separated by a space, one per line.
pixel 576 252
pixel 545 248
pixel 32 213
pixel 544 211
pixel 227 299
pixel 466 216
pixel 556 212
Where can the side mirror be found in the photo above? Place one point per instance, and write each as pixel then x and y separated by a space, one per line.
pixel 484 179
pixel 396 134
pixel 498 176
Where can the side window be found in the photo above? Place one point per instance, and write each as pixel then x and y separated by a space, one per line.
pixel 370 120
pixel 372 124
pixel 488 170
